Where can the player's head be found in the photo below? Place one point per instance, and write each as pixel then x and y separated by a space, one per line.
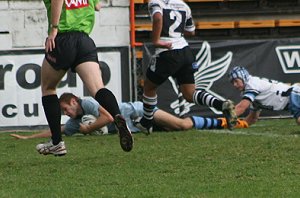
pixel 67 98
pixel 69 104
pixel 238 72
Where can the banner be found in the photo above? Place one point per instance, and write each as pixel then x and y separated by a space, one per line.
pixel 277 59
pixel 20 90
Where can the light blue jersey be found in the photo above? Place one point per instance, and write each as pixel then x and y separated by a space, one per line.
pixel 130 111
pixel 294 105
pixel 90 107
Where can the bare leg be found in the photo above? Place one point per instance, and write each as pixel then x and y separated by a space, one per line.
pixel 50 79
pixel 171 122
pixel 90 74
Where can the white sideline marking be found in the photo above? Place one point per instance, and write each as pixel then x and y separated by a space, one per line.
pixel 235 132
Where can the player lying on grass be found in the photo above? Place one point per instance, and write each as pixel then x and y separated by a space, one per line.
pixel 75 108
pixel 261 93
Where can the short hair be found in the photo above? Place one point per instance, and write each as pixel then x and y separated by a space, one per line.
pixel 67 97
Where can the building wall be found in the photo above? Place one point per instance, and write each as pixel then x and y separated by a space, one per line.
pixel 23 24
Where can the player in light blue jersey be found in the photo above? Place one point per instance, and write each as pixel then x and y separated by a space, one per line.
pixel 76 108
pixel 261 93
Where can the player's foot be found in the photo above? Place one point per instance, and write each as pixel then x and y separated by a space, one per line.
pixel 126 140
pixel 239 124
pixel 144 125
pixel 229 113
pixel 48 148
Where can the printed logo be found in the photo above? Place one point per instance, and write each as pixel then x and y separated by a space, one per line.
pixel 75 4
pixel 289 58
pixel 208 72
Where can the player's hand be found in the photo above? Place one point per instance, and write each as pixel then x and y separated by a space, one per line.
pixel 168 45
pixel 50 41
pixel 163 44
pixel 19 136
pixel 84 128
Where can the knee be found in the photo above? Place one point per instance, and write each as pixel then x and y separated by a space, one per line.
pixel 188 97
pixel 47 90
pixel 185 124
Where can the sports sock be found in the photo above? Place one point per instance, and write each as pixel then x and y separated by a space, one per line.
pixel 206 123
pixel 53 116
pixel 201 97
pixel 108 101
pixel 149 104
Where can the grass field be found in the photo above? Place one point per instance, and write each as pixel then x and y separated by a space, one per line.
pixel 261 161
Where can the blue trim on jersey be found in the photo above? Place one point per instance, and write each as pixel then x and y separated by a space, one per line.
pixel 250 94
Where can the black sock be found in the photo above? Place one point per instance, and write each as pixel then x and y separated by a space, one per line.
pixel 108 101
pixel 53 116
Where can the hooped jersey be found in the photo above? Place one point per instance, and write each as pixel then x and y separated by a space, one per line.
pixel 266 94
pixel 177 18
pixel 76 15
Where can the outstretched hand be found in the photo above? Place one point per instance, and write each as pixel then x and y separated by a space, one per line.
pixel 19 136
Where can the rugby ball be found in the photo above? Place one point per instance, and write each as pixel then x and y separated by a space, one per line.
pixel 89 119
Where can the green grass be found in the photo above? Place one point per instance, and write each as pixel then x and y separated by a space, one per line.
pixel 261 161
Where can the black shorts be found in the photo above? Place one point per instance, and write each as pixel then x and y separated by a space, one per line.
pixel 72 49
pixel 176 63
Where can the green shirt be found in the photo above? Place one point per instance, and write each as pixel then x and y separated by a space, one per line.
pixel 76 15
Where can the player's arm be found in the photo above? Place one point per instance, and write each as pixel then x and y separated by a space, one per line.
pixel 242 106
pixel 104 119
pixel 97 5
pixel 189 29
pixel 188 34
pixel 42 134
pixel 157 24
pixel 56 8
pixel 252 117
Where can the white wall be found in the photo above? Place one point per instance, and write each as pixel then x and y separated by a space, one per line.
pixel 23 24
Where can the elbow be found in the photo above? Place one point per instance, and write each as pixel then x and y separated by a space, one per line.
pixel 189 33
pixel 110 119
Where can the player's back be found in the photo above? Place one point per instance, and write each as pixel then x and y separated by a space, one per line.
pixel 271 94
pixel 177 18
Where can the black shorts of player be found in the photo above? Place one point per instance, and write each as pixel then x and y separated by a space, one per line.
pixel 72 49
pixel 176 63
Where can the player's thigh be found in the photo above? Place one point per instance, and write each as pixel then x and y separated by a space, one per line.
pixel 50 78
pixel 165 65
pixel 90 74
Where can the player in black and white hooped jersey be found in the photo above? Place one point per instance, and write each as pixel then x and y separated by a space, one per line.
pixel 171 21
pixel 177 21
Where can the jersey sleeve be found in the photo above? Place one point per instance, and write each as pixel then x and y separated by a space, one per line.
pixel 154 7
pixel 252 89
pixel 189 25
